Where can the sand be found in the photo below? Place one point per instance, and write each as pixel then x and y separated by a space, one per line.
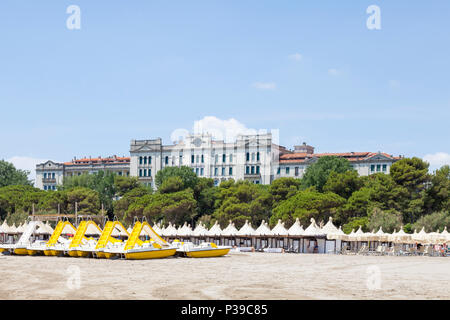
pixel 235 276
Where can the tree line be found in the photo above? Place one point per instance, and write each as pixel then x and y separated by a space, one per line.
pixel 408 196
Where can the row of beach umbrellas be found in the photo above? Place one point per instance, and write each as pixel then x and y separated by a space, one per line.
pixel 42 228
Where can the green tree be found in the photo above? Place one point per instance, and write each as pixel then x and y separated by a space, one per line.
pixel 18 198
pixel 186 174
pixel 437 196
pixel 9 175
pixel 316 175
pixel 411 173
pixel 343 184
pixel 433 222
pixel 240 201
pixel 171 184
pixel 88 201
pixel 283 188
pixel 124 184
pixel 122 205
pixel 307 204
pixel 354 224
pixel 388 221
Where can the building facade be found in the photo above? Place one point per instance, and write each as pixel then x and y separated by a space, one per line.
pixel 250 157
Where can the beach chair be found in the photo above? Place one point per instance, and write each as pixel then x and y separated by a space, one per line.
pixel 379 251
pixel 363 250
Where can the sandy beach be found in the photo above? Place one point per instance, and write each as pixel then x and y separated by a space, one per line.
pixel 235 276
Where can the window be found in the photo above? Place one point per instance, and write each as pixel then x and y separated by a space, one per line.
pixel 223 171
pixel 253 169
pixel 145 172
pixel 248 156
pixel 192 158
pixel 54 188
pixel 53 175
pixel 167 160
pixel 181 159
pixel 384 168
pixel 150 160
pixel 278 170
pixel 372 167
pixel 149 172
pixel 253 157
pixel 45 187
pixel 247 170
pixel 224 158
pixel 45 175
pixel 120 173
pixel 287 170
pixel 145 160
pixel 230 171
pixel 296 171
pixel 197 159
pixel 201 171
pixel 140 172
pixel 196 171
pixel 216 171
pixel 216 158
pixel 257 156
pixel 378 167
pixel 128 173
pixel 140 160
pixel 203 159
pixel 231 157
pixel 257 169
pixel 256 181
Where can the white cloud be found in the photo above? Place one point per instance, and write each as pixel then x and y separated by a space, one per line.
pixel 220 129
pixel 26 163
pixel 437 160
pixel 265 85
pixel 333 72
pixel 296 56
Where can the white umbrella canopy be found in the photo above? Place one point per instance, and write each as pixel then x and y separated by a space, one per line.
pixel 337 235
pixel 156 227
pixel 393 236
pixel 215 230
pixel 200 230
pixel 402 237
pixel 4 227
pixel 170 231
pixel 421 236
pixel 313 230
pixel 19 229
pixel 357 236
pixel 230 230
pixel 246 230
pixel 185 230
pixel 436 237
pixel 279 229
pixel 263 229
pixel 445 235
pixel 381 236
pixel 296 229
pixel 13 229
pixel 349 237
pixel 329 227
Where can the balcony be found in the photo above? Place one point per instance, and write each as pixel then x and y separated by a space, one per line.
pixel 49 180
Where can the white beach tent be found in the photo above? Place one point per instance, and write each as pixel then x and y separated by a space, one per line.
pixel 279 229
pixel 421 236
pixel 185 230
pixel 263 230
pixel 337 235
pixel 215 230
pixel 246 230
pixel 200 230
pixel 296 229
pixel 156 227
pixel 170 231
pixel 230 230
pixel 20 228
pixel 329 227
pixel 402 237
pixel 313 231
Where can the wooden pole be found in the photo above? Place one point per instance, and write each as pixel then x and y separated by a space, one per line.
pixel 76 214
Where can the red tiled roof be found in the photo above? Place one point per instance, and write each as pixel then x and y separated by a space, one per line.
pixel 87 161
pixel 350 156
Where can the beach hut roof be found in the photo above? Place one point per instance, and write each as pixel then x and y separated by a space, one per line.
pixel 215 230
pixel 12 229
pixel 246 229
pixel 230 230
pixel 296 229
pixel 279 229
pixel 337 235
pixel 170 231
pixel 19 229
pixel 185 230
pixel 329 227
pixel 263 229
pixel 156 227
pixel 200 230
pixel 313 230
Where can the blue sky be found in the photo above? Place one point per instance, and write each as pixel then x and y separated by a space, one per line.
pixel 141 69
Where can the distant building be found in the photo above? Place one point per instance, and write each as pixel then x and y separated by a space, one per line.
pixel 250 157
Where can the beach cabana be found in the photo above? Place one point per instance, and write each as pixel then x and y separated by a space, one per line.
pixel 295 233
pixel 421 237
pixel 246 235
pixel 229 234
pixel 263 234
pixel 170 232
pixel 330 228
pixel 314 239
pixel 215 234
pixel 280 234
pixel 200 232
pixel 185 232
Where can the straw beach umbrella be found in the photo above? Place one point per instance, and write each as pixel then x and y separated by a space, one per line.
pixel 215 230
pixel 279 229
pixel 421 236
pixel 230 230
pixel 263 230
pixel 381 236
pixel 402 237
pixel 329 227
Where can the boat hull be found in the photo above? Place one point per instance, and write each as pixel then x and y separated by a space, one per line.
pixel 21 251
pixel 109 255
pixel 151 254
pixel 207 253
pixel 32 252
pixel 51 252
pixel 101 255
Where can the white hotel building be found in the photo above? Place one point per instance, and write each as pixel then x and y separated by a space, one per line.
pixel 250 157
